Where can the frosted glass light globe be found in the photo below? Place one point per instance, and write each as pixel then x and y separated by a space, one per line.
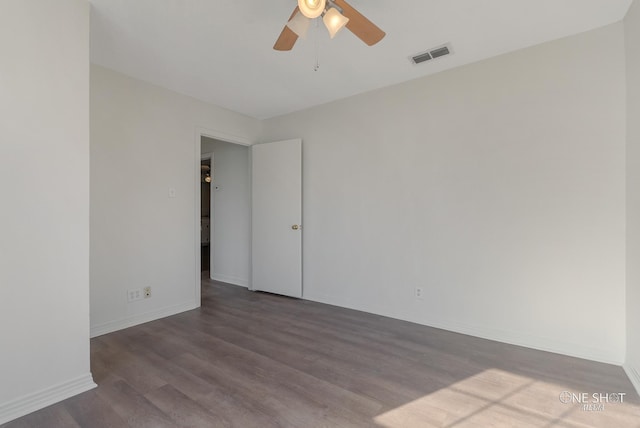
pixel 311 8
pixel 334 21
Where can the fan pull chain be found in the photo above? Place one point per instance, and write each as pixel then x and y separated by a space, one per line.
pixel 316 67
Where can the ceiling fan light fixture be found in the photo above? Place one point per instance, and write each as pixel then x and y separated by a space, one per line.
pixel 299 24
pixel 334 21
pixel 312 8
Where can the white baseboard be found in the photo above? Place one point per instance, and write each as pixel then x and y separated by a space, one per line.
pixel 38 400
pixel 504 336
pixel 634 376
pixel 230 280
pixel 130 321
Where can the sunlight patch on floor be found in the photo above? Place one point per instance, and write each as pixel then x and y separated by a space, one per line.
pixel 500 398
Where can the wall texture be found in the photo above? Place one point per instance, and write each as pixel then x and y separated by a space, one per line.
pixel 496 187
pixel 44 219
pixel 632 42
pixel 144 145
pixel 231 217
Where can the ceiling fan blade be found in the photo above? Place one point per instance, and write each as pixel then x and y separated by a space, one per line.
pixel 287 38
pixel 364 29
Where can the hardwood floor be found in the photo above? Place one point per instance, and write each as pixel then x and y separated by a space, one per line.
pixel 257 360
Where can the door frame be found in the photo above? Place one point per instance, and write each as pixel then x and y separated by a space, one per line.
pixel 227 138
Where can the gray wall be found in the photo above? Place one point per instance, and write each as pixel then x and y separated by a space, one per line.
pixel 632 40
pixel 498 187
pixel 144 142
pixel 44 218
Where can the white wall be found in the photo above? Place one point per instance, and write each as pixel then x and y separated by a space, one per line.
pixel 44 214
pixel 632 41
pixel 231 216
pixel 498 187
pixel 143 143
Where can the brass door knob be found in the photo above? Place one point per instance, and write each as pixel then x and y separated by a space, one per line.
pixel 295 227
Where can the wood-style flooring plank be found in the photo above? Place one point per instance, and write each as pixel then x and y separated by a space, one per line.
pixel 133 407
pixel 90 410
pixel 184 411
pixel 51 417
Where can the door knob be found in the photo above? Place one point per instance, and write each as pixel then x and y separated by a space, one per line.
pixel 296 227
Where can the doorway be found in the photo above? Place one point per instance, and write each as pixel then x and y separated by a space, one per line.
pixel 206 178
pixel 225 210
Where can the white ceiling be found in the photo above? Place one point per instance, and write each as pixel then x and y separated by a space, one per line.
pixel 220 51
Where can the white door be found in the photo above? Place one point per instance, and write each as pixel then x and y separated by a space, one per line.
pixel 277 217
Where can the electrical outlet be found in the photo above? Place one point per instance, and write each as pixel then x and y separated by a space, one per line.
pixel 418 292
pixel 134 294
pixel 147 292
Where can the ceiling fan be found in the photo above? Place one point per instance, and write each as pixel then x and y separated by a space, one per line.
pixel 336 14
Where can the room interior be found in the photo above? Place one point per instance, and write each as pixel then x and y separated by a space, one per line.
pixel 500 180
